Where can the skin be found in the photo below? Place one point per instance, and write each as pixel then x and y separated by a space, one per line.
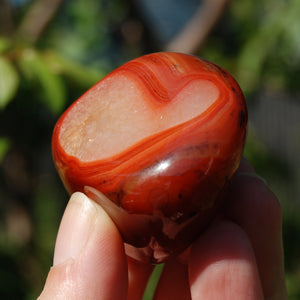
pixel 239 256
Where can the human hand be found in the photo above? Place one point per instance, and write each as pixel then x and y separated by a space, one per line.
pixel 240 256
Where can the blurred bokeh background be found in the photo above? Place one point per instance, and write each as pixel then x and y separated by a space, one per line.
pixel 51 51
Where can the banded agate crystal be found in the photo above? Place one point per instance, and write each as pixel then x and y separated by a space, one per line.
pixel 155 143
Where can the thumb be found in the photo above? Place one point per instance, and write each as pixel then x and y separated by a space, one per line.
pixel 89 258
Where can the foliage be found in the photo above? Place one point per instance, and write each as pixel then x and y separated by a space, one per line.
pixel 9 81
pixel 260 44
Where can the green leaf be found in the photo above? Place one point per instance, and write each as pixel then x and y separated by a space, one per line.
pixel 9 82
pixel 50 85
pixel 81 75
pixel 4 44
pixel 152 282
pixel 4 147
pixel 263 43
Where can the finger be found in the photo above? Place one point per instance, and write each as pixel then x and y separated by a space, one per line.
pixel 222 265
pixel 255 208
pixel 89 260
pixel 173 283
pixel 138 275
pixel 245 166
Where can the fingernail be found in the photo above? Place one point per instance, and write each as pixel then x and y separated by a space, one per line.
pixel 75 228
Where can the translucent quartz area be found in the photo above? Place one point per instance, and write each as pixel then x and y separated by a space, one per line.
pixel 120 112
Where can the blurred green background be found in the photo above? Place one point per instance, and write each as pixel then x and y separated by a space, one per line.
pixel 51 51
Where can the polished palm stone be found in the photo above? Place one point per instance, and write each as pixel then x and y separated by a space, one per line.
pixel 156 143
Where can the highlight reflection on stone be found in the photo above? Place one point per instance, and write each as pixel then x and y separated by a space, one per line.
pixel 155 143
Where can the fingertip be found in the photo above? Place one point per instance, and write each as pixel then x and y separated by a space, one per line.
pixel 89 255
pixel 253 206
pixel 245 166
pixel 60 282
pixel 251 199
pixel 222 264
pixel 75 228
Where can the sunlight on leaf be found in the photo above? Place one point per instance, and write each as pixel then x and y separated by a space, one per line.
pixel 81 75
pixel 4 44
pixel 292 282
pixel 276 24
pixel 9 82
pixel 4 147
pixel 51 87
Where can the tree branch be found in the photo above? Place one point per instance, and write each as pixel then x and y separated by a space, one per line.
pixel 37 18
pixel 194 33
pixel 6 18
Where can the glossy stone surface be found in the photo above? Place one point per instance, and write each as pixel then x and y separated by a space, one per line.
pixel 159 138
